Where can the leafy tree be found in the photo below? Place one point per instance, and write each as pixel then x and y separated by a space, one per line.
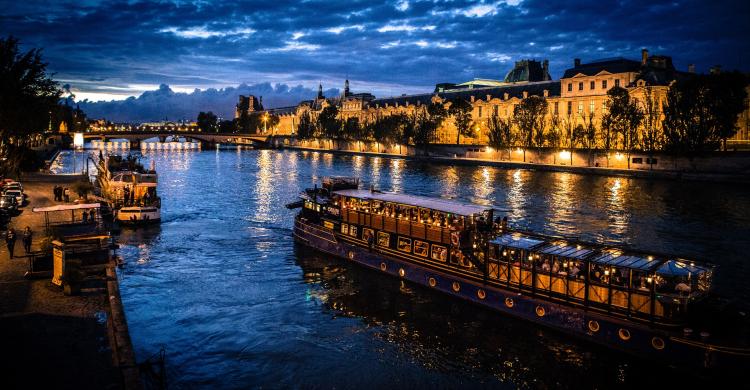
pixel 555 136
pixel 460 110
pixel 207 121
pixel 427 120
pixel 329 124
pixel 529 117
pixel 352 129
pixel 652 125
pixel 500 133
pixel 585 134
pixel 270 121
pixel 226 126
pixel 305 126
pixel 701 112
pixel 386 129
pixel 623 117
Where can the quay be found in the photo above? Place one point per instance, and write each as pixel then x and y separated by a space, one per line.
pixel 53 339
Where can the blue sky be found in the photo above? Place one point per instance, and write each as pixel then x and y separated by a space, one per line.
pixel 111 50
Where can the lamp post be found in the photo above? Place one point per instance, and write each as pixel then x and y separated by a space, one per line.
pixel 265 123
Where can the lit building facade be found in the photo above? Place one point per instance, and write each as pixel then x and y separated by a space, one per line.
pixel 579 96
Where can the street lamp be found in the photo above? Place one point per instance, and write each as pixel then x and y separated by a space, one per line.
pixel 265 123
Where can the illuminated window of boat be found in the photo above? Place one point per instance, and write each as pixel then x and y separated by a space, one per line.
pixel 404 244
pixel 367 233
pixel 421 248
pixel 439 253
pixel 384 239
pixel 344 228
pixel 353 231
pixel 328 224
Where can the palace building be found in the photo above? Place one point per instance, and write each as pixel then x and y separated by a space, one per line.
pixel 580 95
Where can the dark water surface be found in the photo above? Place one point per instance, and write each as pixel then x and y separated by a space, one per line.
pixel 236 304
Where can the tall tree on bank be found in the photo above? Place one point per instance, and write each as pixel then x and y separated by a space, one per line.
pixel 623 117
pixel 305 126
pixel 585 134
pixel 555 136
pixel 529 117
pixel 428 120
pixel 28 96
pixel 652 125
pixel 500 133
pixel 207 121
pixel 329 124
pixel 460 110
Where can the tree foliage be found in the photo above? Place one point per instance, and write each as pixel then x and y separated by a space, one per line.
pixel 529 117
pixel 306 127
pixel 500 133
pixel 460 110
pixel 329 124
pixel 207 121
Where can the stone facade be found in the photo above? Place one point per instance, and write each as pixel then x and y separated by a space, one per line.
pixel 579 95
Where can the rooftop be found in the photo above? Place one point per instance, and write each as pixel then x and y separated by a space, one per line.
pixel 444 205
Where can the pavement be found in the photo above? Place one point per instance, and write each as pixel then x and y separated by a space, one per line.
pixel 46 337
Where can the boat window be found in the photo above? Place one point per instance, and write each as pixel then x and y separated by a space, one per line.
pixel 599 274
pixel 619 276
pixel 344 228
pixel 642 281
pixel 328 224
pixel 353 231
pixel 421 248
pixel 439 253
pixel 368 234
pixel 404 244
pixel 384 239
pixel 377 207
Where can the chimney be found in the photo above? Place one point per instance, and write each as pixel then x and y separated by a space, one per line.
pixel 691 68
pixel 546 93
pixel 525 94
pixel 489 97
pixel 472 98
pixel 505 96
pixel 545 69
pixel 577 62
pixel 644 56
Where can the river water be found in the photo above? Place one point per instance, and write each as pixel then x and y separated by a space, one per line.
pixel 222 287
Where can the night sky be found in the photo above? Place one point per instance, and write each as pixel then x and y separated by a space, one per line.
pixel 111 50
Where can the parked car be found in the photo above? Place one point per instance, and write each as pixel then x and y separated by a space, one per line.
pixel 17 194
pixel 8 203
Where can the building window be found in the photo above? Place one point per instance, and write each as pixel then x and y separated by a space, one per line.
pixel 556 107
pixel 570 108
pixel 604 84
pixel 592 107
pixel 480 112
pixel 617 82
pixel 580 107
pixel 570 87
pixel 404 244
pixel 580 86
pixel 593 85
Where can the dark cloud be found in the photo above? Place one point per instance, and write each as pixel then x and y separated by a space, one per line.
pixel 125 48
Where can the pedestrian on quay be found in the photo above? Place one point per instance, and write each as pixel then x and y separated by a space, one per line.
pixel 54 192
pixel 85 217
pixel 10 240
pixel 27 234
pixel 66 194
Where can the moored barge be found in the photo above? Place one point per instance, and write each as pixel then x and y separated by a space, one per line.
pixel 652 305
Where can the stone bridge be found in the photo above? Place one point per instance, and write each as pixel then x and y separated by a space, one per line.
pixel 207 139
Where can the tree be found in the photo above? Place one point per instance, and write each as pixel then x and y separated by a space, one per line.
pixel 529 116
pixel 652 129
pixel 207 121
pixel 460 110
pixel 28 97
pixel 555 137
pixel 500 133
pixel 585 134
pixel 427 120
pixel 226 126
pixel 270 121
pixel 623 117
pixel 305 126
pixel 352 130
pixel 329 124
pixel 385 130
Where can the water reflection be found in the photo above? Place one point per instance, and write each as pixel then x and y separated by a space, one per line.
pixel 396 175
pixel 562 204
pixel 516 196
pixel 616 207
pixel 449 183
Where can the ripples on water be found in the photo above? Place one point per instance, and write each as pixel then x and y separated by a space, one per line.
pixel 221 285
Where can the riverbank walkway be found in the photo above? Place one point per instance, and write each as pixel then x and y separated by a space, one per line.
pixel 46 337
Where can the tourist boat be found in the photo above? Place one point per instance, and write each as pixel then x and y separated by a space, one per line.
pixel 649 304
pixel 130 190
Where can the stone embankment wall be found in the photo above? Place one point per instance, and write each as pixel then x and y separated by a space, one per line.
pixel 735 163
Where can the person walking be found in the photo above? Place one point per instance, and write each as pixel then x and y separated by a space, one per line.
pixel 85 217
pixel 66 194
pixel 27 235
pixel 10 240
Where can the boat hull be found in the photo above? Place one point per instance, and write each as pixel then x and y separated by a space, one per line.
pixel 136 216
pixel 634 338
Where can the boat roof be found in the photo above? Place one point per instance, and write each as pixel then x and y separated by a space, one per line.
pixel 679 267
pixel 517 240
pixel 617 258
pixel 444 205
pixel 65 207
pixel 563 249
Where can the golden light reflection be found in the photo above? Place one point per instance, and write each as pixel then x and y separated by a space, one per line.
pixel 562 203
pixel 483 184
pixel 358 163
pixel 397 168
pixel 450 182
pixel 377 163
pixel 616 208
pixel 264 186
pixel 517 195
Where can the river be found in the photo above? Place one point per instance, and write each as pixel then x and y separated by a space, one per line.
pixel 222 287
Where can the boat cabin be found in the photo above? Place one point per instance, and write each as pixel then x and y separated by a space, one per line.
pixel 134 188
pixel 409 226
pixel 632 284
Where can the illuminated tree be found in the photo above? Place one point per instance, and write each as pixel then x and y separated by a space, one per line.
pixel 500 133
pixel 623 117
pixel 460 110
pixel 529 117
